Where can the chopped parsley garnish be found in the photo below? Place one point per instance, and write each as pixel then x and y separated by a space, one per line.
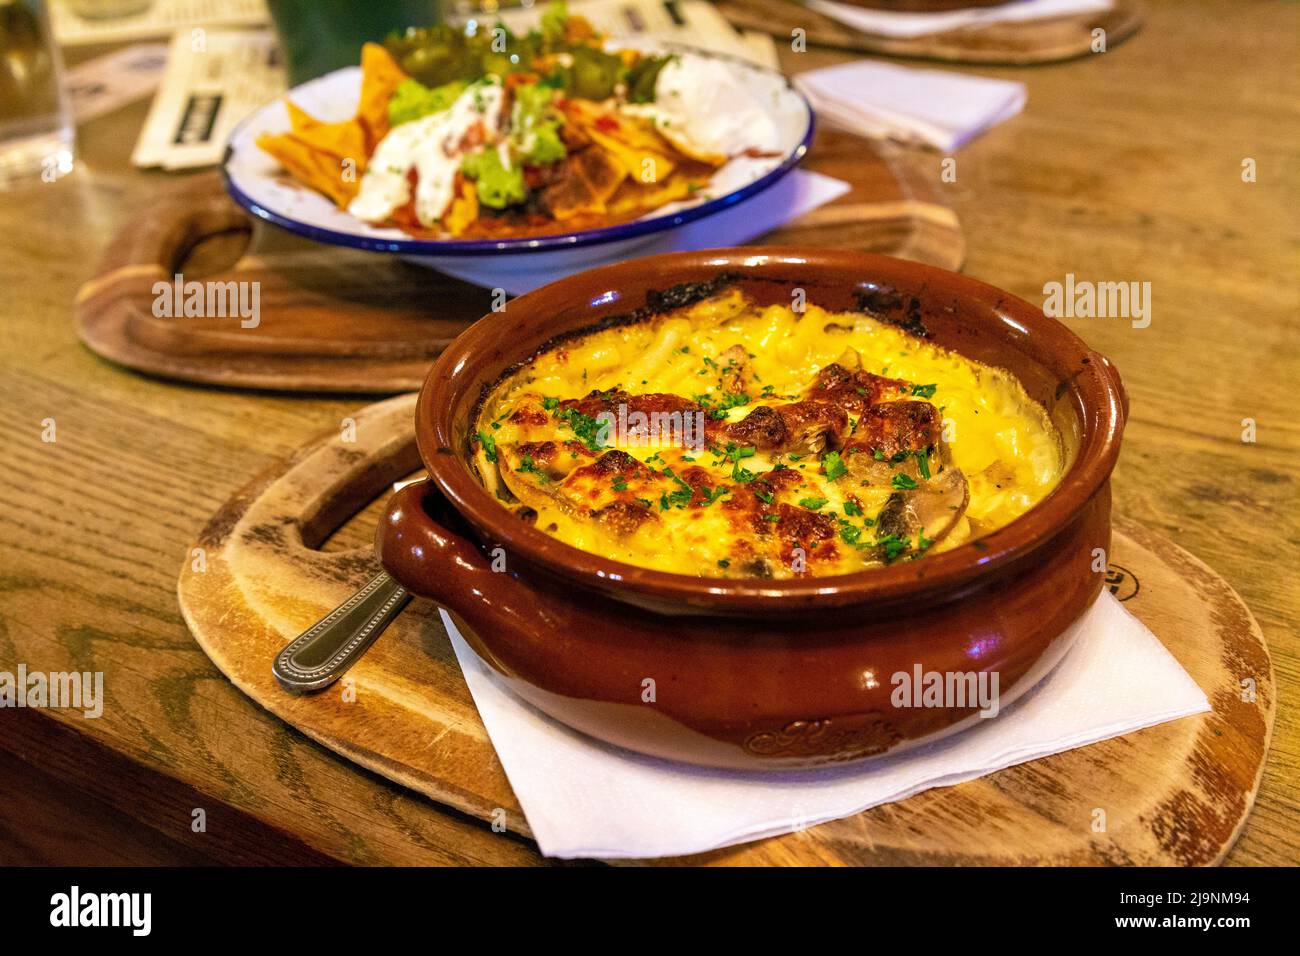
pixel 923 463
pixel 584 426
pixel 676 499
pixel 489 444
pixel 834 465
pixel 771 517
pixel 710 496
pixel 904 482
pixel 812 504
pixel 527 465
pixel 550 403
pixel 620 483
pixel 892 546
pixel 717 408
pixel 924 391
pixel 852 510
pixel 736 452
pixel 724 562
pixel 764 496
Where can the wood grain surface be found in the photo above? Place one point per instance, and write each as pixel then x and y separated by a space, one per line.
pixel 1175 794
pixel 342 321
pixel 1123 166
pixel 1024 42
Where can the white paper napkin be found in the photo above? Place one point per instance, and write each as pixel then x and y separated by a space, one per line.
pixel 937 107
pixel 797 193
pixel 583 798
pixel 900 25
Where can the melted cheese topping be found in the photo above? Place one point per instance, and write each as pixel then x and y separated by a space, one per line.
pixel 731 440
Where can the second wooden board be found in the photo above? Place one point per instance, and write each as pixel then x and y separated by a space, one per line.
pixel 1020 42
pixel 336 320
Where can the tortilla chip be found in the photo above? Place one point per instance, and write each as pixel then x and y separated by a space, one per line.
pixel 299 119
pixel 380 77
pixel 321 171
pixel 689 149
pixel 636 199
pixel 589 178
pixel 331 157
pixel 643 165
pixel 639 150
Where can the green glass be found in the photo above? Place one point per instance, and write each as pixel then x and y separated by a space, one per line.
pixel 317 36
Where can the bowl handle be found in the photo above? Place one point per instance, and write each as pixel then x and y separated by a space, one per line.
pixel 1113 373
pixel 420 553
pixel 429 560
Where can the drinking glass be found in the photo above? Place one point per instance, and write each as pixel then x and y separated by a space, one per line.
pixel 36 128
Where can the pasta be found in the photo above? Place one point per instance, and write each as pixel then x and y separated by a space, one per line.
pixel 726 439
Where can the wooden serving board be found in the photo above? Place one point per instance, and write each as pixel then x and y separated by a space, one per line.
pixel 342 321
pixel 1030 41
pixel 1177 793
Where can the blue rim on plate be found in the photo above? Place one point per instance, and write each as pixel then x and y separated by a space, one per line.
pixel 567 240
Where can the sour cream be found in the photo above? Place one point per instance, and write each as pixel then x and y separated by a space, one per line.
pixel 432 146
pixel 705 108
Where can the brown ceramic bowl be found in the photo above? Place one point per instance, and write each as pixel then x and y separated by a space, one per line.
pixel 754 673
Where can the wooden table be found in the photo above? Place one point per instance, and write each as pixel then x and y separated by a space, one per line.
pixel 1125 166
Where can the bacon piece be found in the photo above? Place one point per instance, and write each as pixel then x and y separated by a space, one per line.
pixel 736 375
pixel 894 427
pixel 855 390
pixel 798 427
pixel 797 527
pixel 618 463
pixel 528 414
pixel 596 402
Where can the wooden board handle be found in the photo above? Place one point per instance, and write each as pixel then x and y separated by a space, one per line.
pixel 165 235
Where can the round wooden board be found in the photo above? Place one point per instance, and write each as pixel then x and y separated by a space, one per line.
pixel 341 321
pixel 1023 43
pixel 1177 793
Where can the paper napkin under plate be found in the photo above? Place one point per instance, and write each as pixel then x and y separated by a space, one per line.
pixel 906 26
pixel 937 107
pixel 584 798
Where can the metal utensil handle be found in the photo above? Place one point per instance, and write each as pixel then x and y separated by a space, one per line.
pixel 321 654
